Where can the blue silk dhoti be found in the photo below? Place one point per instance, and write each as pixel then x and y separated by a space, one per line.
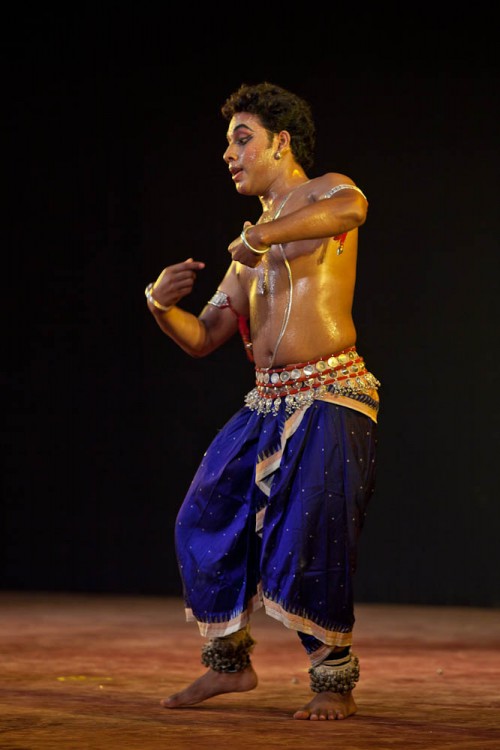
pixel 273 516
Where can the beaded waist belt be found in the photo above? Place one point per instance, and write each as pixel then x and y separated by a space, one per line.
pixel 298 385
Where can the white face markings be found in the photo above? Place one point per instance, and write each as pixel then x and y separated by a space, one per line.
pixel 249 153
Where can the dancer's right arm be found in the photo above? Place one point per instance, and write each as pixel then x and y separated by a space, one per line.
pixel 197 335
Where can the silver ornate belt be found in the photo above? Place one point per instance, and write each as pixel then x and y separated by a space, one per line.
pixel 298 385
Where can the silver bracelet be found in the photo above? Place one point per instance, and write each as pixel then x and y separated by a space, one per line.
pixel 243 237
pixel 149 296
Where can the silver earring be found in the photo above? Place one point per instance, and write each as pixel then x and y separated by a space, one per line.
pixel 277 156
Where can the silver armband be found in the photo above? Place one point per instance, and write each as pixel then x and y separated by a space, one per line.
pixel 220 299
pixel 336 189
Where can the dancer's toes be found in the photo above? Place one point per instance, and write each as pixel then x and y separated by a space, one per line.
pixel 327 707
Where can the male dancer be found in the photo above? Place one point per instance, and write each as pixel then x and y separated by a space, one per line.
pixel 274 512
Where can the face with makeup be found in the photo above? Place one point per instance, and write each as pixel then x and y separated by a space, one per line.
pixel 250 154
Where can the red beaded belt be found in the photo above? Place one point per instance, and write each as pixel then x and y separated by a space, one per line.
pixel 344 373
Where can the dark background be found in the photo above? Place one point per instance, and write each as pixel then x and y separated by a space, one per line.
pixel 113 145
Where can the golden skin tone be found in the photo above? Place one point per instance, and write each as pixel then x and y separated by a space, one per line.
pixel 323 282
pixel 320 322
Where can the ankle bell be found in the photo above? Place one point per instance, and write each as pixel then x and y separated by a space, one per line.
pixel 229 653
pixel 335 678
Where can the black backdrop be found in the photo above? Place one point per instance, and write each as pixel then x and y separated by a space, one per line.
pixel 113 143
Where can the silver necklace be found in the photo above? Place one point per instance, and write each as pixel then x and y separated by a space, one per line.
pixel 283 203
pixel 288 309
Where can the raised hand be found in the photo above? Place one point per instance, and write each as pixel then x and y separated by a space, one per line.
pixel 176 282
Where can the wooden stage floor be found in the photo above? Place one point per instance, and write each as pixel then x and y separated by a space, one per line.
pixel 88 671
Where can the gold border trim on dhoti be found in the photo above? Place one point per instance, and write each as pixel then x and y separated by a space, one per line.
pixel 292 621
pixel 268 465
pixel 306 625
pixel 226 627
pixel 353 403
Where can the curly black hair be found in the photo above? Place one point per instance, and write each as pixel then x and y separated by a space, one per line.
pixel 278 109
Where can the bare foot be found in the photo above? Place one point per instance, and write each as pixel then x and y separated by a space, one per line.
pixel 327 706
pixel 212 683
